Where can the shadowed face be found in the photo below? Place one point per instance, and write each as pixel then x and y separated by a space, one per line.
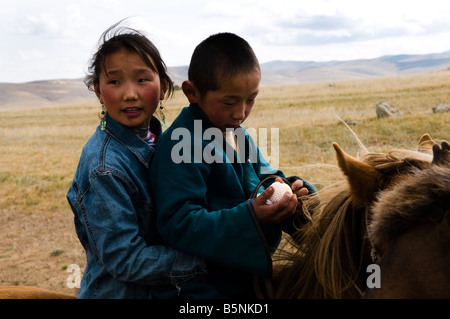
pixel 231 104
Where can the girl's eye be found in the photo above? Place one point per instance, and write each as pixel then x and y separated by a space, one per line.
pixel 113 82
pixel 143 80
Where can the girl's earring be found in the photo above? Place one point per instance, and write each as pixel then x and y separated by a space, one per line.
pixel 102 118
pixel 163 117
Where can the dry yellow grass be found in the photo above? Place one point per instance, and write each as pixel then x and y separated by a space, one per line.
pixel 307 115
pixel 40 150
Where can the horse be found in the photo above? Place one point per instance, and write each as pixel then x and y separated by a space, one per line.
pixel 411 228
pixel 330 254
pixel 28 292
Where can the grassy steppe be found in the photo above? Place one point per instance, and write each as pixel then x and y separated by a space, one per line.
pixel 40 149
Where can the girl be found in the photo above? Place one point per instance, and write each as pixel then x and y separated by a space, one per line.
pixel 109 195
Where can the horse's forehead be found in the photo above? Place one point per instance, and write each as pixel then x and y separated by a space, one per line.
pixel 376 172
pixel 421 196
pixel 409 155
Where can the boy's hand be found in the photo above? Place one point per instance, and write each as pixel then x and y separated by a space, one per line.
pixel 284 208
pixel 274 213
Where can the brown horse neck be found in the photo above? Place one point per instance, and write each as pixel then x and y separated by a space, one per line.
pixel 417 265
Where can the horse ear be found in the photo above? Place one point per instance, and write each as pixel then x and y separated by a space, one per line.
pixel 425 143
pixel 362 177
pixel 441 154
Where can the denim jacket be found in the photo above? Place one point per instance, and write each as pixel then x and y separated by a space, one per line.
pixel 115 221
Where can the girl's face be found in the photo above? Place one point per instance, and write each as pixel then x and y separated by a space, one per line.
pixel 129 89
pixel 231 104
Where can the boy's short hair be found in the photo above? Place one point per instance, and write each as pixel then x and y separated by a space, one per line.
pixel 219 57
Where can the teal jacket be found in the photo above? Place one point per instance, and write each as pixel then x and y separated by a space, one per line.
pixel 202 202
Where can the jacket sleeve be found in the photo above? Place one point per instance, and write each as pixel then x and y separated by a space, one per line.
pixel 229 236
pixel 113 230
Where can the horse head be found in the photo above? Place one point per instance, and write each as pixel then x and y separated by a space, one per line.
pixel 411 228
pixel 377 171
pixel 333 250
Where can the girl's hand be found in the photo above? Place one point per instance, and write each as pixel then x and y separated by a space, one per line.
pixel 298 189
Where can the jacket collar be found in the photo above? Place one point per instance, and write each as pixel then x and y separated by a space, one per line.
pixel 127 137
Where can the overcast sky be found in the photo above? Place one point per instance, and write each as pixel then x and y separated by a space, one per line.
pixel 54 39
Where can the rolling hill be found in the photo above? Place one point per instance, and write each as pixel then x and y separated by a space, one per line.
pixel 285 72
pixel 57 92
pixel 44 93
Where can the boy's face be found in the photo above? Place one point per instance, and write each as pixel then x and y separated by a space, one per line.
pixel 230 105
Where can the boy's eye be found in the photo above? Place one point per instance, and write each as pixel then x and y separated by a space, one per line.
pixel 228 102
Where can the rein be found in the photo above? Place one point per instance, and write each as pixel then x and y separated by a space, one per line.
pixel 257 281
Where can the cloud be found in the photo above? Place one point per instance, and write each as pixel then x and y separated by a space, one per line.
pixel 31 55
pixel 340 25
pixel 39 25
pixel 320 22
pixel 315 30
pixel 61 36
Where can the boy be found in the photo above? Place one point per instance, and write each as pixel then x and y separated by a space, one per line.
pixel 206 166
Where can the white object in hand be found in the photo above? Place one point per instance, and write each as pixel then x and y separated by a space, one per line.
pixel 279 190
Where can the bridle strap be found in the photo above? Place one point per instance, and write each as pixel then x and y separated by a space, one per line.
pixel 373 250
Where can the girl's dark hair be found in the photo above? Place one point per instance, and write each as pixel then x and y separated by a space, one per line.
pixel 118 37
pixel 219 57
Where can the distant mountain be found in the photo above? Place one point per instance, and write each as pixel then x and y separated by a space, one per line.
pixel 289 72
pixel 44 93
pixel 286 72
pixel 56 92
pixel 178 74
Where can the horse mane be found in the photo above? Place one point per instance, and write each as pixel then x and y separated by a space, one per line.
pixel 321 264
pixel 418 198
pixel 329 252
